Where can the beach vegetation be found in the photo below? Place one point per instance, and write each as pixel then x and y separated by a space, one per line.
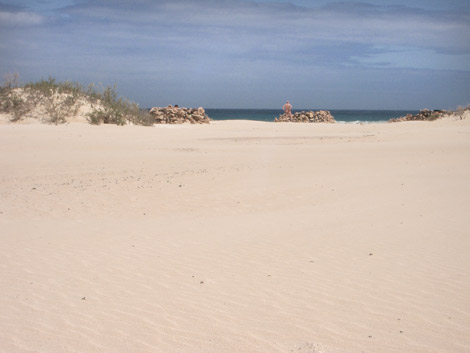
pixel 112 109
pixel 10 101
pixel 434 116
pixel 460 111
pixel 55 102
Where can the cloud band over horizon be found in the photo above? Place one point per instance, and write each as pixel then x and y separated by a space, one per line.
pixel 247 54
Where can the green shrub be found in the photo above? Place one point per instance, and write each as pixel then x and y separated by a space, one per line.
pixel 13 104
pixel 116 110
pixel 143 118
pixel 111 110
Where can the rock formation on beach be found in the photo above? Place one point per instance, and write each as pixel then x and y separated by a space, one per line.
pixel 320 116
pixel 423 115
pixel 175 115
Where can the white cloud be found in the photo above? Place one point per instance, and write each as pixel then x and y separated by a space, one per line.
pixel 20 19
pixel 235 23
pixel 206 45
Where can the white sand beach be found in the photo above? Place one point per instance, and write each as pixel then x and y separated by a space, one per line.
pixel 236 236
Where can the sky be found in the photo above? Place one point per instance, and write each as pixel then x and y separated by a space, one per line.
pixel 319 54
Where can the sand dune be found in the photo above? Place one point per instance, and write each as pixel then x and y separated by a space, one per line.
pixel 235 237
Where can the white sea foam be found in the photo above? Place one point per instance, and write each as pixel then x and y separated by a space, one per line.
pixel 361 122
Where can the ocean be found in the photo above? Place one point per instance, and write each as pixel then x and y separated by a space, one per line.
pixel 341 116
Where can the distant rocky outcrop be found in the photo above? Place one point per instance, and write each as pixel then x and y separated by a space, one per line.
pixel 423 115
pixel 175 115
pixel 320 116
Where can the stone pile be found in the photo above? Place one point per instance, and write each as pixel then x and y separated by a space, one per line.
pixel 321 116
pixel 423 115
pixel 175 115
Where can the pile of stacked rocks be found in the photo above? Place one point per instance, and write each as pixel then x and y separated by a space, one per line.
pixel 423 115
pixel 175 115
pixel 321 116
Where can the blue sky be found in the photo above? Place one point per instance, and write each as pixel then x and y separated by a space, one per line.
pixel 390 54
